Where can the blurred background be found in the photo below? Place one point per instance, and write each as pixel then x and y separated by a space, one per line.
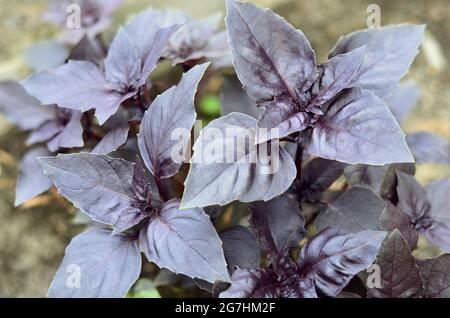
pixel 33 237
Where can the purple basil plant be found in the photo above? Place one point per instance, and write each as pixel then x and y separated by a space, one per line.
pixel 113 136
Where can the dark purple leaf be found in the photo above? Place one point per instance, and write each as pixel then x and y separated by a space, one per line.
pixel 185 242
pixel 381 179
pixel 413 199
pixel 81 85
pixel 236 168
pixel 22 109
pixel 435 276
pixel 97 265
pixel 150 33
pixel 198 39
pixel 112 140
pixel 439 231
pixel 299 288
pixel 333 257
pixel 428 148
pixel 336 76
pixel 71 134
pixel 63 131
pixel 77 85
pixel 318 175
pixel 32 181
pixel 278 224
pixel 402 100
pixel 356 210
pixel 359 128
pixel 388 189
pixel 280 119
pixel 253 283
pixel 400 276
pixel 271 57
pixel 390 52
pixel 139 184
pixel 123 64
pixel 98 185
pixel 364 175
pixel 45 132
pixel 88 50
pixel 240 248
pixel 170 117
pixel 235 99
pixel 393 218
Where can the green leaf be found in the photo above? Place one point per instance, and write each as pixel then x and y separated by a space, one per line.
pixel 210 105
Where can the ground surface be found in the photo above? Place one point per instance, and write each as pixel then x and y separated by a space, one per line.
pixel 32 239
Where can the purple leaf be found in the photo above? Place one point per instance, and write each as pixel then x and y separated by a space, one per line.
pixel 428 210
pixel 413 199
pixel 381 179
pixel 22 109
pixel 336 76
pixel 318 175
pixel 150 34
pixel 70 136
pixel 235 99
pixel 393 218
pixel 253 283
pixel 197 40
pixel 278 224
pixel 400 276
pixel 435 276
pixel 439 231
pixel 32 181
pixel 171 113
pixel 359 128
pixel 364 175
pixel 390 52
pixel 88 50
pixel 77 85
pixel 123 64
pixel 280 119
pixel 97 265
pixel 271 57
pixel 98 185
pixel 428 148
pixel 402 100
pixel 228 166
pixel 299 288
pixel 333 257
pixel 388 187
pixel 132 57
pixel 139 184
pixel 112 140
pixel 184 242
pixel 63 131
pixel 356 210
pixel 45 132
pixel 240 248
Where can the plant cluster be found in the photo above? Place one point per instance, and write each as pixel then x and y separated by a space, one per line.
pixel 102 129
